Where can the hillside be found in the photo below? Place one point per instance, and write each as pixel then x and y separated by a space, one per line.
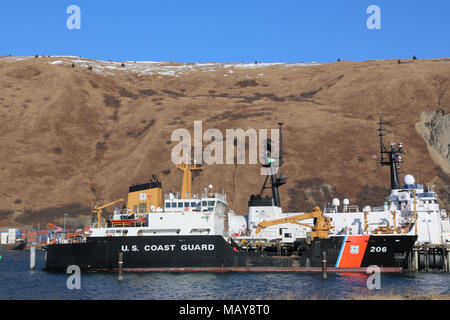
pixel 75 131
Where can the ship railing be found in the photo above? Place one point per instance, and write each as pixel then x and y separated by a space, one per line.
pixel 178 196
pixel 352 208
pixel 59 240
pixel 218 196
pixel 349 208
pixel 118 211
pixel 413 186
pixel 110 224
pixel 173 196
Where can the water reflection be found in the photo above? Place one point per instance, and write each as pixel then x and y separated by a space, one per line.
pixel 17 282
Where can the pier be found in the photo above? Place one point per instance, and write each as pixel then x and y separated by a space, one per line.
pixel 430 257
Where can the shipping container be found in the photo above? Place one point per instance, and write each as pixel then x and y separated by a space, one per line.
pixel 11 236
pixel 4 238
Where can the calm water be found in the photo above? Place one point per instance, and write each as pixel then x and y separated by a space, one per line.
pixel 18 282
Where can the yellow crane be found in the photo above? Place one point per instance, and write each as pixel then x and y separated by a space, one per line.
pixel 319 229
pixel 97 210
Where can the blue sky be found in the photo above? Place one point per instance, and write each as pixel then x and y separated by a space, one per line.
pixel 227 30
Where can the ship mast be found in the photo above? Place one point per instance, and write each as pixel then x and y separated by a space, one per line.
pixel 274 180
pixel 393 159
pixel 187 169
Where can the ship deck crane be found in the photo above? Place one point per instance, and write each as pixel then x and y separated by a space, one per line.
pixel 319 229
pixel 97 210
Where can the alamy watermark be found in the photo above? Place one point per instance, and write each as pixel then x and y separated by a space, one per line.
pixel 233 139
pixel 74 281
pixel 374 281
pixel 374 20
pixel 74 20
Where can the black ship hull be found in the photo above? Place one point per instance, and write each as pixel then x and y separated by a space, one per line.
pixel 214 253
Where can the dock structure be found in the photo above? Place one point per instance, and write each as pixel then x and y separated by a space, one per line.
pixel 430 257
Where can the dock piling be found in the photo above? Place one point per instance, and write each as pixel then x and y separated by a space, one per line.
pixel 444 256
pixel 416 259
pixel 324 265
pixel 448 259
pixel 410 267
pixel 120 278
pixel 32 257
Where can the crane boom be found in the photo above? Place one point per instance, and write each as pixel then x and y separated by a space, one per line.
pixel 319 229
pixel 97 210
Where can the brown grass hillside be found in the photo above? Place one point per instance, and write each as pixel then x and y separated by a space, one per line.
pixel 73 136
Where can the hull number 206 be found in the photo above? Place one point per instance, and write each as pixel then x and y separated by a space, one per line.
pixel 378 249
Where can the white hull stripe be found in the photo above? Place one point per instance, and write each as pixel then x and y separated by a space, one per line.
pixel 340 252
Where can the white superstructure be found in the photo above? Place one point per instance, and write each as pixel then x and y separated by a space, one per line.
pixel 202 214
pixel 409 209
pixel 433 224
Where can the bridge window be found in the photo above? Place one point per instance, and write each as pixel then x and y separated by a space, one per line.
pixel 174 204
pixel 180 204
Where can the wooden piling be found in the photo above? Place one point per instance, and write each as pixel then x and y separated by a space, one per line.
pixel 410 267
pixel 120 266
pixel 425 248
pixel 448 260
pixel 416 259
pixel 32 257
pixel 444 257
pixel 324 265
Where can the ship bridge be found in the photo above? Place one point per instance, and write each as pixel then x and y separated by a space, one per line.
pixel 180 213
